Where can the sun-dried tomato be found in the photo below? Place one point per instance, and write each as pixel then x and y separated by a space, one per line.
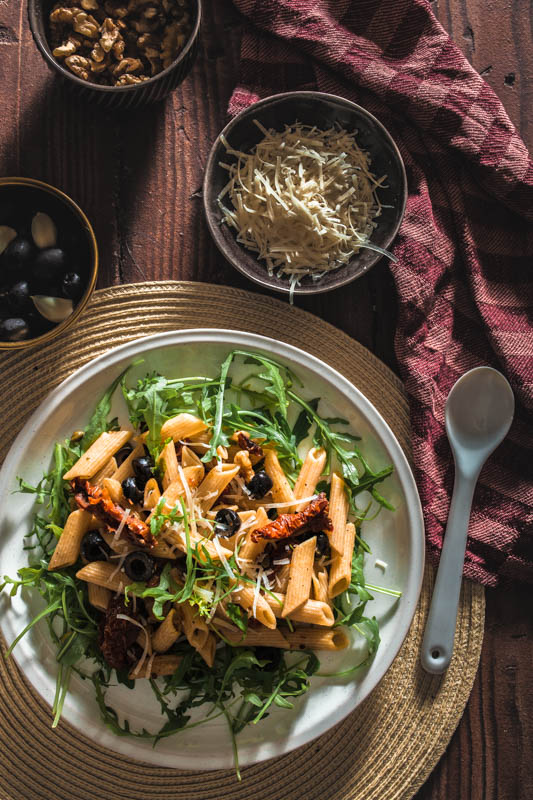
pixel 116 636
pixel 98 502
pixel 314 517
pixel 245 443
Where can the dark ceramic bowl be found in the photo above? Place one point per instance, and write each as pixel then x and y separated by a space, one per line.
pixel 310 108
pixel 20 199
pixel 116 96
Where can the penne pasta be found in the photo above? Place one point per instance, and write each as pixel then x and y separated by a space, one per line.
pixel 157 665
pixel 105 574
pixel 189 458
pixel 126 468
pixel 311 639
pixel 255 637
pixel 169 461
pixel 246 597
pixel 281 489
pixel 309 476
pixel 281 578
pixel 68 546
pixel 183 426
pixel 214 484
pixel 207 651
pixel 114 489
pixel 320 583
pixel 338 513
pixel 194 627
pixel 109 468
pixel 193 476
pixel 152 494
pixel 98 596
pixel 98 454
pixel 340 573
pixel 249 550
pixel 300 572
pixel 167 633
pixel 314 612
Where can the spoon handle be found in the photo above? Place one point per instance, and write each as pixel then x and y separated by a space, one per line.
pixel 437 645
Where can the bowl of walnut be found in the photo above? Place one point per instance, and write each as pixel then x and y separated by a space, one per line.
pixel 118 53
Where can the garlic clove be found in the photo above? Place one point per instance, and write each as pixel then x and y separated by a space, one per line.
pixel 6 236
pixel 54 309
pixel 43 230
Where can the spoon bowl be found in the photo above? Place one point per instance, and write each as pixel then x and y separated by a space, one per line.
pixel 479 413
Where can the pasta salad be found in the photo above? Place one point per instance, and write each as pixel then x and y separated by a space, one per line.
pixel 211 547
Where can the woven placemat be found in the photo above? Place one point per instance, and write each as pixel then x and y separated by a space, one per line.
pixel 387 747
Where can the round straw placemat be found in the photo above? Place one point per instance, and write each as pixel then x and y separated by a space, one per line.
pixel 383 750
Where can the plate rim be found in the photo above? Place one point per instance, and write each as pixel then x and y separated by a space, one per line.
pixel 373 417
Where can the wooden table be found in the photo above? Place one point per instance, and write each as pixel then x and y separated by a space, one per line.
pixel 138 176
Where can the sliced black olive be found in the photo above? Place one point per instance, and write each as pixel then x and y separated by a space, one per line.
pixel 14 330
pixel 260 485
pixel 131 490
pixel 272 513
pixel 72 286
pixel 139 566
pixel 18 254
pixel 143 469
pixel 94 547
pixel 227 522
pixel 18 296
pixel 123 453
pixel 322 544
pixel 48 265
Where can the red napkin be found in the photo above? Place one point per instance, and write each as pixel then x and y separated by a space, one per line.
pixel 465 248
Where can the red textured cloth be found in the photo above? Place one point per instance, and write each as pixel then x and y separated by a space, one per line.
pixel 464 271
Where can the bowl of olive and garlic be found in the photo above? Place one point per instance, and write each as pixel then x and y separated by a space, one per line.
pixel 48 262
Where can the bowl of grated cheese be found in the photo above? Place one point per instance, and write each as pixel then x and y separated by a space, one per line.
pixel 304 192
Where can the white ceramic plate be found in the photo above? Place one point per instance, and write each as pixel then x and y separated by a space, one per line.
pixel 396 538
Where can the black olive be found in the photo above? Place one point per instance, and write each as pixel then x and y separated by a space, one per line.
pixel 123 453
pixel 18 253
pixel 72 286
pixel 227 522
pixel 265 560
pixel 48 265
pixel 322 544
pixel 260 484
pixel 94 547
pixel 142 468
pixel 132 491
pixel 18 296
pixel 14 330
pixel 272 513
pixel 139 566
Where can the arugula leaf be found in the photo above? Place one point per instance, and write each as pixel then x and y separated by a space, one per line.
pixel 275 385
pixel 218 438
pixel 98 421
pixel 303 423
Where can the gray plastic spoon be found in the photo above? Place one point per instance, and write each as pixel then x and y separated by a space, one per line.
pixel 479 412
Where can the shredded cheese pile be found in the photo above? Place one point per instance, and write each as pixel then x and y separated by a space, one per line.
pixel 303 199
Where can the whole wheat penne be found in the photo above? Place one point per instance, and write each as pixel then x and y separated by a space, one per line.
pixel 177 539
pixel 169 460
pixel 309 476
pixel 194 627
pixel 98 596
pixel 193 476
pixel 338 513
pixel 167 633
pixel 157 665
pixel 122 546
pixel 320 581
pixel 107 471
pixel 256 638
pixel 183 426
pixel 104 573
pixel 214 484
pixel 281 489
pixel 114 489
pixel 207 651
pixel 281 578
pixel 68 546
pixel 249 550
pixel 152 494
pixel 340 572
pixel 98 454
pixel 300 572
pixel 126 468
pixel 311 639
pixel 246 597
pixel 312 611
pixel 189 458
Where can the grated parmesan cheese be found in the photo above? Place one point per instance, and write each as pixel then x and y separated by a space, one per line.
pixel 303 199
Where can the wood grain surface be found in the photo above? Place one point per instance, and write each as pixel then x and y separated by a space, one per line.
pixel 138 176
